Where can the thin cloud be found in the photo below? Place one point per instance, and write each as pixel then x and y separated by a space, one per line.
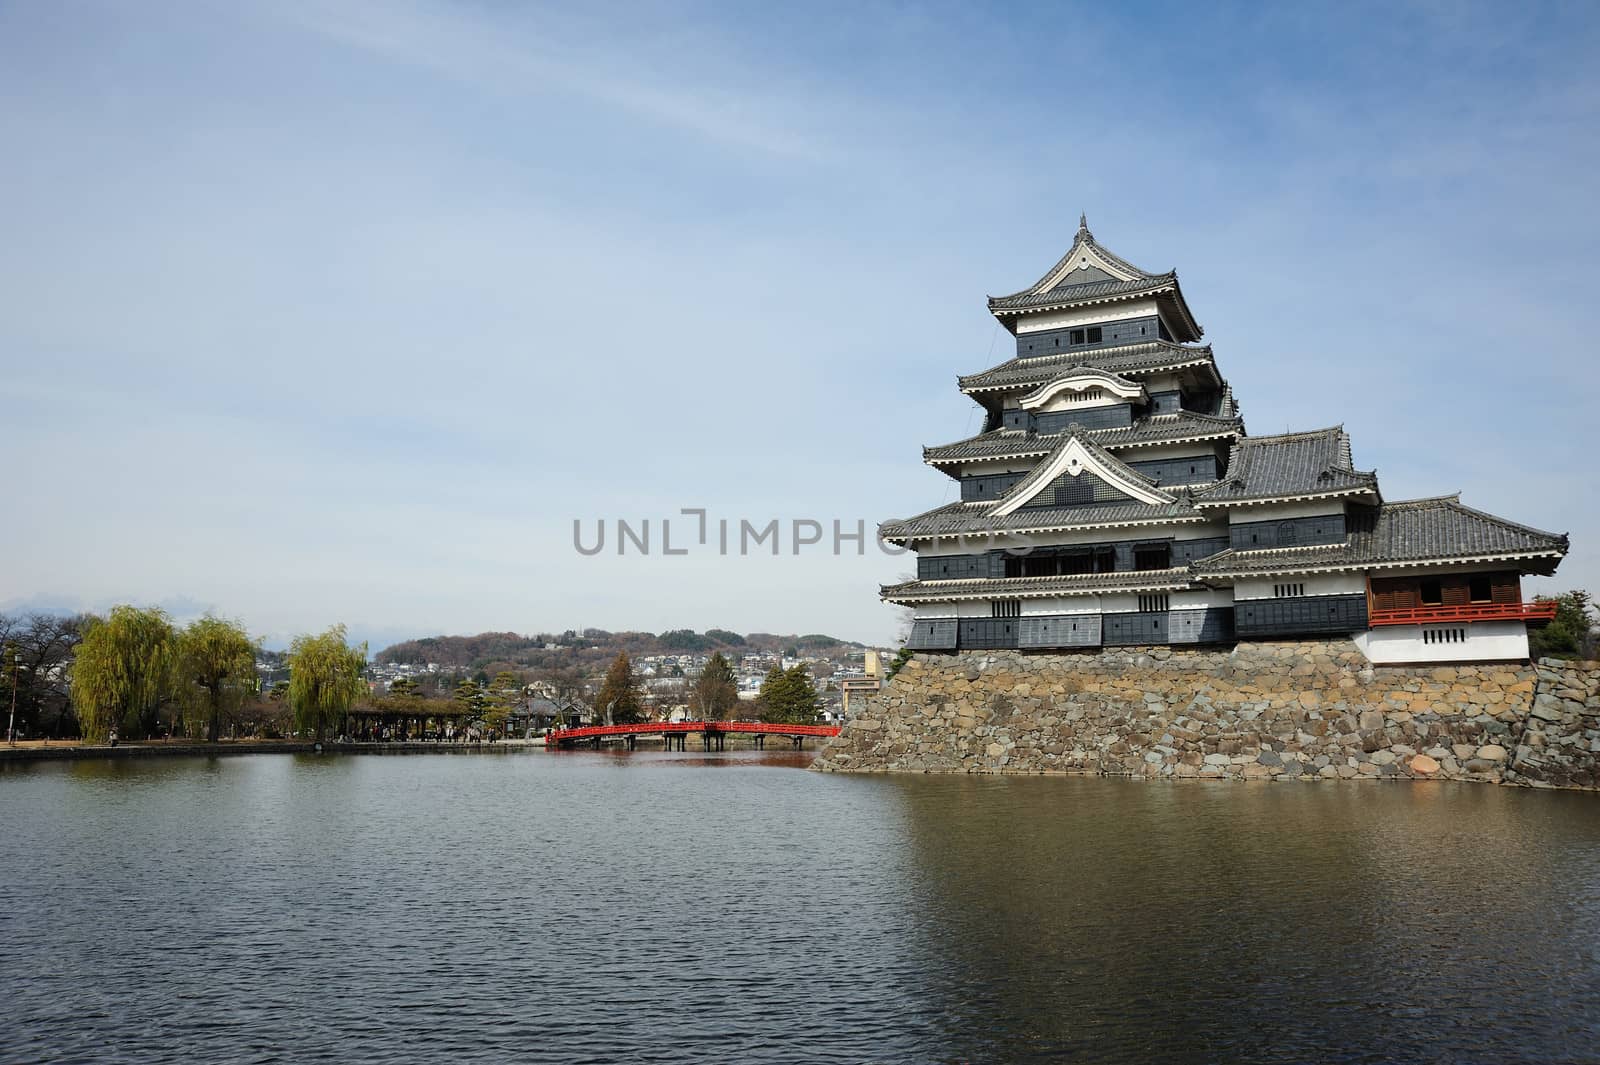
pixel 455 44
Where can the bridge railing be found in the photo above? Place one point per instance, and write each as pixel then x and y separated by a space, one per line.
pixel 644 728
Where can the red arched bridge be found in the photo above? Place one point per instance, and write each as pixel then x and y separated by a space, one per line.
pixel 713 733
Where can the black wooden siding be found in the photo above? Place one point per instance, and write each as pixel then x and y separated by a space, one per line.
pixel 1198 469
pixel 1187 551
pixel 1108 417
pixel 1060 630
pixel 937 635
pixel 988 634
pixel 1300 615
pixel 1056 341
pixel 1288 532
pixel 988 486
pixel 992 564
pixel 1192 625
pixel 1200 625
pixel 1142 627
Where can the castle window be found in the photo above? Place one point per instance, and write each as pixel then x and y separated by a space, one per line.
pixel 1152 604
pixel 1287 591
pixel 1152 556
pixel 1077 336
pixel 1094 335
pixel 1005 608
pixel 1432 593
pixel 1479 589
pixel 1286 533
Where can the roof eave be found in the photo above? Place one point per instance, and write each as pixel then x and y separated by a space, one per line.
pixel 1255 501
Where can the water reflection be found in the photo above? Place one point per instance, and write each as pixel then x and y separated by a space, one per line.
pixel 680 907
pixel 1125 921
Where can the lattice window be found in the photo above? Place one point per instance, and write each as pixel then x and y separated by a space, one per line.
pixel 1005 608
pixel 1286 591
pixel 1438 636
pixel 1150 604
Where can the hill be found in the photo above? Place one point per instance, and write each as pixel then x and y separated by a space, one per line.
pixel 595 647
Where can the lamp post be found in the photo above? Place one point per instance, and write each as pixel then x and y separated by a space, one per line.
pixel 11 726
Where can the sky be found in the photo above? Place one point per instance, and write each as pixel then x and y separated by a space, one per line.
pixel 347 312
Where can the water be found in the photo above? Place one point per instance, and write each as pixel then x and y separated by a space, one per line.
pixel 666 907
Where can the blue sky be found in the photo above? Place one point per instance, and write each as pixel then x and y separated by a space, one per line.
pixel 345 312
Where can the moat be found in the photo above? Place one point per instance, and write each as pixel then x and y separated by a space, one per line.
pixel 604 907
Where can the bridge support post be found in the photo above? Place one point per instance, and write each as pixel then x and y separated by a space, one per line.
pixel 799 742
pixel 633 742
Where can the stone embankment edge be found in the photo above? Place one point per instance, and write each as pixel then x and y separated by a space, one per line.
pixel 1315 710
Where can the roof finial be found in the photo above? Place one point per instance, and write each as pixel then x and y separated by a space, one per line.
pixel 1083 221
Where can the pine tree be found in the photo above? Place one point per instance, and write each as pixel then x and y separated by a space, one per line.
pixel 620 693
pixel 716 692
pixel 788 697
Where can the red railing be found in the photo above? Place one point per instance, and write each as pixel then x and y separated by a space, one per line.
pixel 1424 615
pixel 658 728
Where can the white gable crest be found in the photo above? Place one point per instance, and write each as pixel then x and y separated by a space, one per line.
pixel 1072 458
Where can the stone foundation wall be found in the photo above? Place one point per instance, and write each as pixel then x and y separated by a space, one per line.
pixel 1306 711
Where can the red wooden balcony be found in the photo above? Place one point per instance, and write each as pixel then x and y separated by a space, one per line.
pixel 1428 615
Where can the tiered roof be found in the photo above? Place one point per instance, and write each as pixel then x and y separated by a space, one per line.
pixel 1179 427
pixel 1306 465
pixel 1089 273
pixel 1074 450
pixel 1127 360
pixel 1412 531
pixel 1157 580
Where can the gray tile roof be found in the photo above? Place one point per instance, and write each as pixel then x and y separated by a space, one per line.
pixel 1413 530
pixel 1092 290
pixel 1100 279
pixel 1027 587
pixel 1144 357
pixel 1014 443
pixel 1029 485
pixel 1293 464
pixel 1077 286
pixel 963 519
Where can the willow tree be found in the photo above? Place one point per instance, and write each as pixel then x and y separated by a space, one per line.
pixel 123 673
pixel 324 679
pixel 216 669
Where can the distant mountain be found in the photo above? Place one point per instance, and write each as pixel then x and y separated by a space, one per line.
pixel 596 646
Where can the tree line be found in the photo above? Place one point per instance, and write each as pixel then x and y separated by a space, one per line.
pixel 787 696
pixel 135 674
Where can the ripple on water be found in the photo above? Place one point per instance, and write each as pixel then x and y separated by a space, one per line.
pixel 678 908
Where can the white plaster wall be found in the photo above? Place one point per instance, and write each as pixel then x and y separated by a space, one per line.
pixel 1487 641
pixel 1068 401
pixel 1316 584
pixel 1001 465
pixel 1195 598
pixel 1199 449
pixel 1064 604
pixel 1115 312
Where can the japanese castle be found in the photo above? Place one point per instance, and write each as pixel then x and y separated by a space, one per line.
pixel 1114 498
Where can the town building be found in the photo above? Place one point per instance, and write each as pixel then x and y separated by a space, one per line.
pixel 1114 498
